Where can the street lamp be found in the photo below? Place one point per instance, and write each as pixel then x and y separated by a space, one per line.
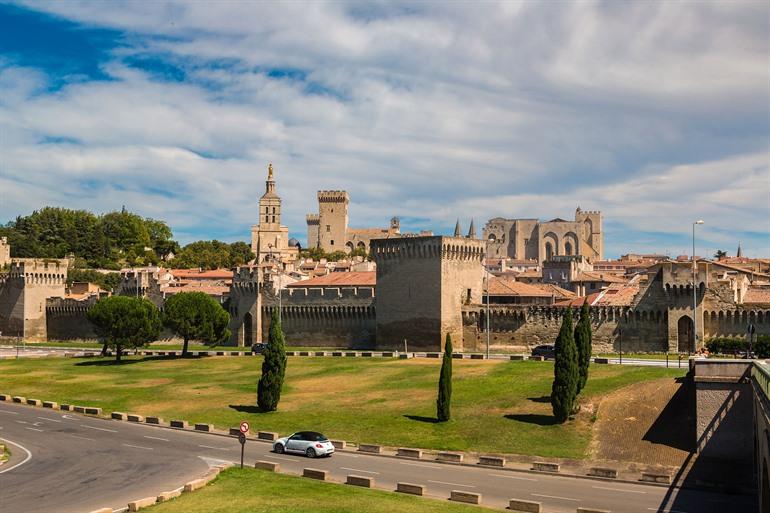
pixel 486 268
pixel 694 290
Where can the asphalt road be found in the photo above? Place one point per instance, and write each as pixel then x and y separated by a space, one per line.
pixel 79 463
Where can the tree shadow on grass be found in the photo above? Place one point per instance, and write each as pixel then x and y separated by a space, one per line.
pixel 541 399
pixel 533 418
pixel 110 360
pixel 419 418
pixel 247 408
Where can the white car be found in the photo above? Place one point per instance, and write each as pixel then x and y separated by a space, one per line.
pixel 309 443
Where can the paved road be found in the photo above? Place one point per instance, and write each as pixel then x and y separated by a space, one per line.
pixel 80 463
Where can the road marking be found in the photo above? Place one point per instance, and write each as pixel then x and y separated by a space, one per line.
pixel 22 421
pixel 216 448
pixel 420 465
pixel 34 429
pixel 359 470
pixel 83 438
pixel 9 412
pixel 156 438
pixel 452 484
pixel 139 447
pixel 616 489
pixel 513 477
pixel 45 418
pixel 555 497
pixel 29 456
pixel 100 429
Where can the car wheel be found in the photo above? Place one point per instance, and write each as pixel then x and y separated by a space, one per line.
pixel 278 448
pixel 310 453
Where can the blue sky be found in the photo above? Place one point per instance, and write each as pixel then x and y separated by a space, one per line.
pixel 655 113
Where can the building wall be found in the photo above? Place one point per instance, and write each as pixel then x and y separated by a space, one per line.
pixel 5 252
pixel 11 306
pixel 312 230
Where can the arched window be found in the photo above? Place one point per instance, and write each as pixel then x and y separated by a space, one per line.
pixel 548 250
pixel 567 248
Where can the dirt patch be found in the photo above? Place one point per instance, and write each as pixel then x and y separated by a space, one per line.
pixel 648 422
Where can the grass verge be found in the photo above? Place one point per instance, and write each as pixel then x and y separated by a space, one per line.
pixel 258 491
pixel 497 406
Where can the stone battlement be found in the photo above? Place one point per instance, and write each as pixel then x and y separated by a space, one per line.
pixel 446 248
pixel 313 219
pixel 333 196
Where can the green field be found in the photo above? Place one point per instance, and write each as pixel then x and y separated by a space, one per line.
pixel 498 406
pixel 258 491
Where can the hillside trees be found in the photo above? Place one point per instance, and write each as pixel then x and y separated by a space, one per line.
pixel 123 322
pixel 213 254
pixel 196 316
pixel 565 368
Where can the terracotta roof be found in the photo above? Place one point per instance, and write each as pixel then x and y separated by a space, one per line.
pixel 530 274
pixel 211 290
pixel 504 287
pixel 196 274
pixel 578 301
pixel 597 276
pixel 757 295
pixel 555 290
pixel 351 279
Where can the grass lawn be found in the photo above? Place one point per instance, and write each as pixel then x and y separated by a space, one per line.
pixel 497 406
pixel 259 491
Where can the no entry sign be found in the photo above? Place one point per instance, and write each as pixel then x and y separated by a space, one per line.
pixel 244 427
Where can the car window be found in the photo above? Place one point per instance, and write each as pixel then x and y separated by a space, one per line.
pixel 296 436
pixel 316 437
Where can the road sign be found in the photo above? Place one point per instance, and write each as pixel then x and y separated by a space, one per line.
pixel 244 427
pixel 242 439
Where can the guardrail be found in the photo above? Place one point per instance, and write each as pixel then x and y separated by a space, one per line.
pixel 760 371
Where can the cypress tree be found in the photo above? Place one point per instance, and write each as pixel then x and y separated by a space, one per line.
pixel 273 367
pixel 583 343
pixel 565 371
pixel 444 400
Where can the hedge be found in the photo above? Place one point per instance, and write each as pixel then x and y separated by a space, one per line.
pixel 729 345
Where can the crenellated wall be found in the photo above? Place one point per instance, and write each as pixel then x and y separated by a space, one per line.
pixel 66 319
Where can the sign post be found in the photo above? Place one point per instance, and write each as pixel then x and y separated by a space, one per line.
pixel 242 438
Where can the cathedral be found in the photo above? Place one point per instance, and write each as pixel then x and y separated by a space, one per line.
pixel 269 239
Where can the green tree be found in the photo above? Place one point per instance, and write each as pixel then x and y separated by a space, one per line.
pixel 196 316
pixel 720 254
pixel 565 369
pixel 443 403
pixel 124 322
pixel 273 367
pixel 583 343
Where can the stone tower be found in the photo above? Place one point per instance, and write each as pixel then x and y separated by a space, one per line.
pixel 422 283
pixel 313 222
pixel 332 220
pixel 592 236
pixel 5 252
pixel 23 294
pixel 269 237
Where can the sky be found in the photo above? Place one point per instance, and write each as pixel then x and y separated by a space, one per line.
pixel 655 113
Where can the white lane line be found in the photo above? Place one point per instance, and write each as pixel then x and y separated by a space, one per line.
pixel 100 429
pixel 34 429
pixel 617 489
pixel 83 438
pixel 359 470
pixel 9 412
pixel 452 484
pixel 22 422
pixel 46 418
pixel 513 477
pixel 157 438
pixel 139 447
pixel 279 458
pixel 555 497
pixel 346 454
pixel 29 456
pixel 216 448
pixel 420 465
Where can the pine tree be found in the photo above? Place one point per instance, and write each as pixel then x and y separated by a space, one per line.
pixel 444 400
pixel 273 367
pixel 565 370
pixel 583 343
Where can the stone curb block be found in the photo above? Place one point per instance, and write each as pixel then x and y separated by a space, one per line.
pixel 208 428
pixel 267 435
pixel 537 358
pixel 51 404
pixel 65 407
pixel 544 466
pixel 651 477
pixel 193 485
pixel 314 473
pixel 134 418
pixel 88 410
pixel 118 415
pixel 179 424
pixel 463 496
pixel 367 354
pixel 268 465
pixel 102 510
pixel 79 409
pixel 5 397
pixel 19 399
pixel 601 360
pixel 366 482
pixel 234 431
pixel 522 506
pixel 351 354
pixel 339 444
pixel 153 420
pixel 336 353
pixel 412 489
pixel 34 402
pixel 371 448
pixel 610 473
pixel 592 510
pixel 516 357
pixel 409 453
pixel 319 353
pixel 167 496
pixel 451 457
pixel 387 354
pixel 457 356
pixel 492 461
pixel 475 356
pixel 142 503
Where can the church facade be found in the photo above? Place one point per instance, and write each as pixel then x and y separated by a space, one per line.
pixel 270 239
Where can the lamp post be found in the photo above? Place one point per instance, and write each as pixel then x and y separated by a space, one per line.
pixel 486 269
pixel 694 290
